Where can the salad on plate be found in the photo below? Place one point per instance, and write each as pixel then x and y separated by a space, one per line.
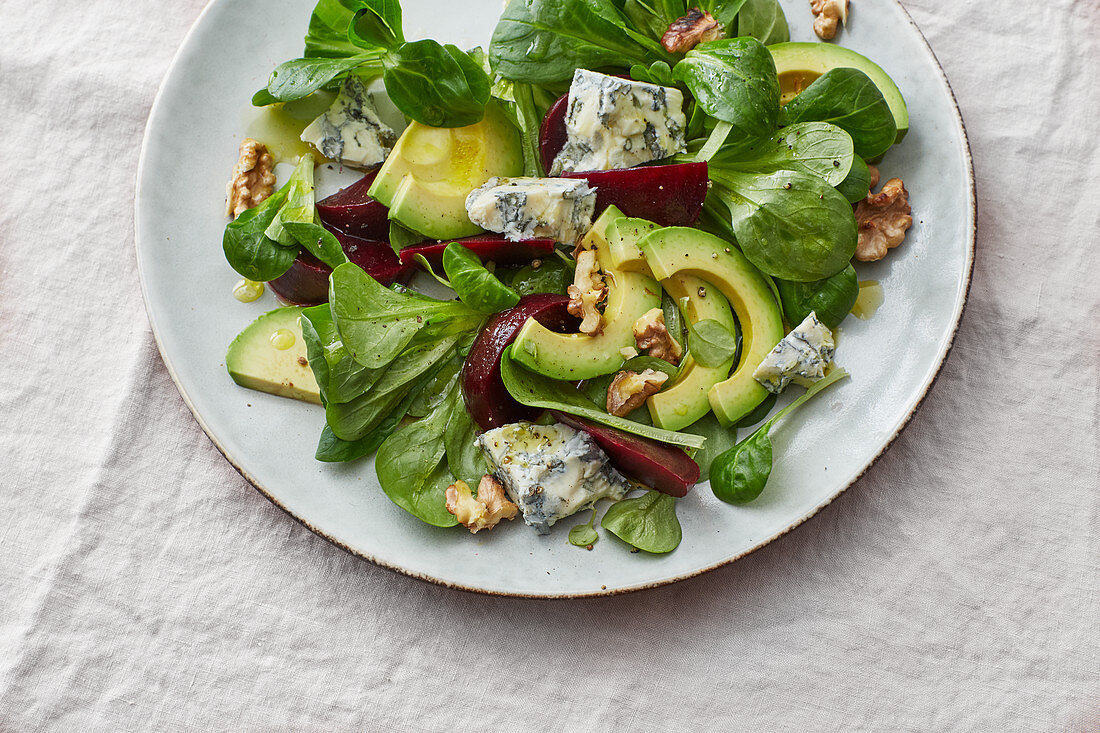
pixel 568 269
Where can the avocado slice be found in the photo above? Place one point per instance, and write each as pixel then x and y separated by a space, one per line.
pixel 575 356
pixel 683 251
pixel 799 64
pixel 270 356
pixel 431 170
pixel 688 398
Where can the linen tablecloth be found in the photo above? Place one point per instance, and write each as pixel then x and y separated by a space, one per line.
pixel 145 586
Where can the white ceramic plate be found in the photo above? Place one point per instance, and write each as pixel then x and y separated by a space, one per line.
pixel 190 147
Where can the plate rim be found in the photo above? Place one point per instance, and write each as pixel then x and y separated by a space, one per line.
pixel 972 211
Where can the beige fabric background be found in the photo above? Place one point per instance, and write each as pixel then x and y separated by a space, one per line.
pixel 145 586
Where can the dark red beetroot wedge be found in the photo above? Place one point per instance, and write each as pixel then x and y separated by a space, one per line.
pixel 552 134
pixel 305 283
pixel 670 195
pixel 351 210
pixel 662 467
pixel 486 398
pixel 487 247
pixel 376 258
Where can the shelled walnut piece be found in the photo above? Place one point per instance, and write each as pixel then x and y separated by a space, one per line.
pixel 688 32
pixel 651 336
pixel 827 14
pixel 586 292
pixel 483 511
pixel 883 219
pixel 629 390
pixel 253 178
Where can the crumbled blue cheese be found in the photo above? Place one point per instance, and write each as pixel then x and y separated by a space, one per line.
pixel 550 471
pixel 350 131
pixel 617 123
pixel 801 357
pixel 531 208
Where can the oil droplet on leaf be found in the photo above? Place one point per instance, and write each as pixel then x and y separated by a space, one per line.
pixel 247 291
pixel 870 297
pixel 282 339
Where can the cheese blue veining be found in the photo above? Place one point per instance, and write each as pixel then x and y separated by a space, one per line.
pixel 350 131
pixel 801 357
pixel 550 471
pixel 617 123
pixel 530 208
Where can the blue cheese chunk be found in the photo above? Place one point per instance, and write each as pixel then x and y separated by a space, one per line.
pixel 801 357
pixel 617 123
pixel 531 208
pixel 350 131
pixel 550 471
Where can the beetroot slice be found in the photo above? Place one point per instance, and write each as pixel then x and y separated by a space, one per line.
pixel 488 401
pixel 353 211
pixel 491 247
pixel 552 134
pixel 656 465
pixel 305 283
pixel 670 195
pixel 376 258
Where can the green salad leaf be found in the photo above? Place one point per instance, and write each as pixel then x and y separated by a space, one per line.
pixel 734 80
pixel 377 25
pixel 433 84
pixel 299 78
pixel 376 323
pixel 585 535
pixel 436 85
pixel 740 474
pixel 411 465
pixel 551 276
pixel 857 184
pixel 849 99
pixel 719 440
pixel 815 148
pixel 535 390
pixel 710 342
pixel 832 299
pixel 763 20
pixel 647 522
pixel 789 224
pixel 475 285
pixel 539 41
pixel 247 247
pixel 320 242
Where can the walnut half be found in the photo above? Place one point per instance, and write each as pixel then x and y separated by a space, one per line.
pixel 651 336
pixel 688 32
pixel 483 511
pixel 827 13
pixel 630 389
pixel 253 178
pixel 586 292
pixel 883 219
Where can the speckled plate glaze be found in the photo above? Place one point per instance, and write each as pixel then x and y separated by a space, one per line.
pixel 190 145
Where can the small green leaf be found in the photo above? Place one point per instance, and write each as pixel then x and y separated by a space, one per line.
pixel 711 343
pixel 249 250
pixel 378 25
pixel 321 243
pixel 475 285
pixel 583 535
pixel 734 80
pixel 849 99
pixel 438 86
pixel 647 522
